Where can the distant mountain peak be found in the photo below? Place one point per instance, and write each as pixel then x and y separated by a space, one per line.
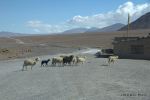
pixel 75 30
pixel 110 28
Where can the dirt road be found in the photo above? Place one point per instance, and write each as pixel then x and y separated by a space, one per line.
pixel 94 80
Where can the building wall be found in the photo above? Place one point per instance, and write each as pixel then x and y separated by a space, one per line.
pixel 123 49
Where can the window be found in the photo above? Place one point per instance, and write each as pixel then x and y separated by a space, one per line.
pixel 137 49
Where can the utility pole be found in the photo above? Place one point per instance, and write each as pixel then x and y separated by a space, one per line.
pixel 128 24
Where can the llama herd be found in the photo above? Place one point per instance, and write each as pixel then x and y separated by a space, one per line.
pixel 62 60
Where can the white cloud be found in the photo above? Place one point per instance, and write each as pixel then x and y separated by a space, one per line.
pixel 41 27
pixel 112 17
pixel 98 20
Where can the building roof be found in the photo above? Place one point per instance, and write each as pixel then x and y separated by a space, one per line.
pixel 128 39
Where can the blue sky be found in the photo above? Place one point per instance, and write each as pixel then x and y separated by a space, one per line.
pixel 52 16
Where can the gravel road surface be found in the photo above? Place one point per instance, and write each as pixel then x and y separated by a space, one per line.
pixel 94 80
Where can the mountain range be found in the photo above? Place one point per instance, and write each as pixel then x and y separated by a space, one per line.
pixel 141 23
pixel 9 34
pixel 12 34
pixel 75 30
pixel 110 28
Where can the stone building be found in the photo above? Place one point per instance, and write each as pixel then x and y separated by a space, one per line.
pixel 132 47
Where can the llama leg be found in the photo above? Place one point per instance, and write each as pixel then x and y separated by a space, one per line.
pixel 23 68
pixel 31 67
